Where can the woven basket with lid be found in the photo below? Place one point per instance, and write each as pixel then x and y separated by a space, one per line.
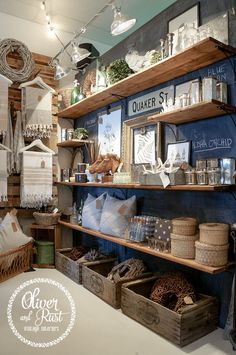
pixel 183 246
pixel 214 233
pixel 184 226
pixel 46 219
pixel 211 255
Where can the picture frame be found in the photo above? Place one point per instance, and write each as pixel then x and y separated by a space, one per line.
pixel 109 131
pixel 179 152
pixel 191 15
pixel 128 139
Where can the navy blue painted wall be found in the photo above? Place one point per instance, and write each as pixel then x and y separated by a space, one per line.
pixel 206 206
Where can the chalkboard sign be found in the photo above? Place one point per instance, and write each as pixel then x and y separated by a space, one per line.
pixel 210 138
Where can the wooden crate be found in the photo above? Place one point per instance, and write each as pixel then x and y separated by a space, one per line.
pixel 196 320
pixel 95 280
pixel 67 266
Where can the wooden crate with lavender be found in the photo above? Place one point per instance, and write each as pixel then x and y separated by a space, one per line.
pixel 69 261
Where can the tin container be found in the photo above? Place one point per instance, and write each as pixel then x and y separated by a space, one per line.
pixel 190 177
pixel 209 89
pixel 65 175
pixel 222 91
pixel 214 176
pixel 80 177
pixel 70 133
pixel 63 134
pixel 201 164
pixel 81 167
pixel 227 167
pixel 202 177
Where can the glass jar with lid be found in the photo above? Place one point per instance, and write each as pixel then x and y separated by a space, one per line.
pixel 190 177
pixel 202 177
pixel 214 176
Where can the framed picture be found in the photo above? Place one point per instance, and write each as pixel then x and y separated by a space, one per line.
pixel 109 132
pixel 189 16
pixel 144 150
pixel 141 142
pixel 179 152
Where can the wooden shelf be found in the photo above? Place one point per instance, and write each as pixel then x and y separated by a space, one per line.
pixel 202 54
pixel 194 112
pixel 144 249
pixel 152 187
pixel 40 226
pixel 73 143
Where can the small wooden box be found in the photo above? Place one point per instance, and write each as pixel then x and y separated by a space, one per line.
pixel 67 266
pixel 95 280
pixel 196 320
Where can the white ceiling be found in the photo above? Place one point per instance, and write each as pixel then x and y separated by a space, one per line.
pixel 71 15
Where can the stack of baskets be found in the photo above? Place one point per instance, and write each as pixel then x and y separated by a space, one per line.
pixel 183 237
pixel 212 248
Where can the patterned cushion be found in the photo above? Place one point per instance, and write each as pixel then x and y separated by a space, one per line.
pixel 92 211
pixel 11 235
pixel 116 215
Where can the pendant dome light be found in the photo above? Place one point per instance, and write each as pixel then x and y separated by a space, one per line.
pixel 121 22
pixel 78 53
pixel 60 72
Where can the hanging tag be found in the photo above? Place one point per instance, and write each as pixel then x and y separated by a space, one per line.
pixel 188 300
pixel 43 164
pixel 122 210
pixel 14 227
pixel 164 179
pixel 98 204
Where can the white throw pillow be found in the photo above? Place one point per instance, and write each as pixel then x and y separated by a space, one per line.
pixel 11 235
pixel 116 215
pixel 92 211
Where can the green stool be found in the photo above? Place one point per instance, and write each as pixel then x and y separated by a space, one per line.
pixel 45 252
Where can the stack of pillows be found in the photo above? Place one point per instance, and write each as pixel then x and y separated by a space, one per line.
pixel 11 234
pixel 107 214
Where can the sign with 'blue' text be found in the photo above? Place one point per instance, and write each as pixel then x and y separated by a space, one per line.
pixel 151 101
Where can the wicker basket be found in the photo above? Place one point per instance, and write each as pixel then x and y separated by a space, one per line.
pixel 183 246
pixel 15 261
pixel 46 219
pixel 184 226
pixel 214 233
pixel 211 255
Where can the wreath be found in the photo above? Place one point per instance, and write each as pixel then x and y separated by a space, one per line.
pixel 19 75
pixel 173 291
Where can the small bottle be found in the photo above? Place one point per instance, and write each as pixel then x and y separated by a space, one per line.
pixel 80 210
pixel 74 216
pixel 75 93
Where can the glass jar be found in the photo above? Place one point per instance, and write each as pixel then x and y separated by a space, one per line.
pixel 213 163
pixel 214 176
pixel 185 99
pixel 195 92
pixel 70 133
pixel 190 177
pixel 202 177
pixel 201 164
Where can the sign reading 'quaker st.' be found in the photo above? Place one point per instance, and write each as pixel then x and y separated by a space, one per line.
pixel 151 101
